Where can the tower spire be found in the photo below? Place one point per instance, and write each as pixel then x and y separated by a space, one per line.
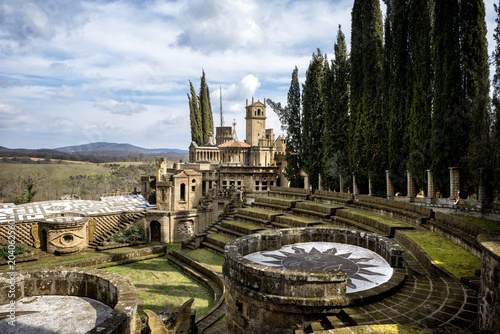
pixel 221 117
pixel 235 137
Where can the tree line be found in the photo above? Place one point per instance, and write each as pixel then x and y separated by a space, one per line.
pixel 412 94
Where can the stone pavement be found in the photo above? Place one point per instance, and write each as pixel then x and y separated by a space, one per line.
pixel 423 301
pixel 40 210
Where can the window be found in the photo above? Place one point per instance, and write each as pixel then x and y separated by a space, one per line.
pixel 193 188
pixel 194 181
pixel 183 192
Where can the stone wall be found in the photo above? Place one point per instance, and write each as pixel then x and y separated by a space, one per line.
pixel 489 295
pixel 261 299
pixel 110 289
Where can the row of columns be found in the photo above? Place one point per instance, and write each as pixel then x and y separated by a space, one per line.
pixel 207 156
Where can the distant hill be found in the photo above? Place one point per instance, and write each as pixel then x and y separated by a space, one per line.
pixel 113 147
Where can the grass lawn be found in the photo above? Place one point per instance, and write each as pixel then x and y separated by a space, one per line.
pixel 381 218
pixel 489 225
pixel 282 199
pixel 266 212
pixel 323 205
pixel 159 284
pixel 244 225
pixel 451 257
pixel 211 259
pixel 302 219
pixel 220 237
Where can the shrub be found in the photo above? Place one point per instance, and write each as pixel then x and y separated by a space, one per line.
pixel 133 233
pixel 4 251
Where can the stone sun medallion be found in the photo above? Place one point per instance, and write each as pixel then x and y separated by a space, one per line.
pixel 365 269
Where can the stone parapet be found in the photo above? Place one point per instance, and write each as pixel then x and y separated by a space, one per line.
pixel 489 295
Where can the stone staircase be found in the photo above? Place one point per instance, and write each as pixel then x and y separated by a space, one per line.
pixel 107 226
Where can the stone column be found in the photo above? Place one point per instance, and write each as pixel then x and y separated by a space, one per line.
pixel 354 186
pixel 454 183
pixel 341 180
pixel 481 191
pixel 410 185
pixel 431 192
pixel 306 179
pixel 390 186
pixel 320 184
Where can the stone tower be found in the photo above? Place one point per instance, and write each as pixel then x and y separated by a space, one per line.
pixel 256 122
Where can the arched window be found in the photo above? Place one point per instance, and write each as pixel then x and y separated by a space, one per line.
pixel 183 192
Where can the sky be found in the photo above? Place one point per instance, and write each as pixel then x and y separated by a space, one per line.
pixel 74 72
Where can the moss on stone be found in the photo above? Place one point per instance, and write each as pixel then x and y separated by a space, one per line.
pixel 445 253
pixel 209 258
pixel 220 237
pixel 256 210
pixel 281 199
pixel 489 225
pixel 323 205
pixel 381 218
pixel 244 225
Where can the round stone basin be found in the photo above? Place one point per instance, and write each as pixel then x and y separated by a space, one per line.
pixel 67 314
pixel 365 268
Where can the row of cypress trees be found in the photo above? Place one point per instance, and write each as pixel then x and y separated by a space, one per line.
pixel 412 95
pixel 200 113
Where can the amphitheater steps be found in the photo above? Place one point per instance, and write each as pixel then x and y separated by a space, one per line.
pixel 107 226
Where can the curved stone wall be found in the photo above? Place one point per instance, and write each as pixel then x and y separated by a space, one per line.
pixel 261 299
pixel 108 288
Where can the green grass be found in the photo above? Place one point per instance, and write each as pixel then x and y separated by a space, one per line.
pixel 220 237
pixel 302 219
pixel 244 225
pixel 211 259
pixel 381 218
pixel 266 212
pixel 489 225
pixel 159 284
pixel 445 253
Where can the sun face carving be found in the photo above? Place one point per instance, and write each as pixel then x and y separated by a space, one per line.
pixel 327 260
pixel 365 269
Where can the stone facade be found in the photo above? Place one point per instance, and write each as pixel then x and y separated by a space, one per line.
pixel 489 295
pixel 63 235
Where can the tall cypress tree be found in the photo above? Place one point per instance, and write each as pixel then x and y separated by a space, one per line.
pixel 448 136
pixel 336 130
pixel 397 85
pixel 372 123
pixel 476 88
pixel 496 107
pixel 290 118
pixel 206 109
pixel 313 117
pixel 195 117
pixel 355 133
pixel 422 83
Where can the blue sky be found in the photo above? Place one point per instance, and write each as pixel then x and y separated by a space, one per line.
pixel 74 72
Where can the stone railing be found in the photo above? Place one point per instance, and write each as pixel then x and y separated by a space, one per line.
pixel 489 295
pixel 108 288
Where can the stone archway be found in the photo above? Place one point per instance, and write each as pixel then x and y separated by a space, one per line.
pixel 155 228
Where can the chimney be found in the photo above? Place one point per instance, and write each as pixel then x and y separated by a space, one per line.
pixel 252 99
pixel 264 102
pixel 247 102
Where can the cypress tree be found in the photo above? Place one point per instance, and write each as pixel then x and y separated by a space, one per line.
pixel 448 138
pixel 313 117
pixel 195 117
pixel 371 121
pixel 205 110
pixel 476 89
pixel 355 133
pixel 336 131
pixel 290 118
pixel 495 156
pixel 397 85
pixel 422 81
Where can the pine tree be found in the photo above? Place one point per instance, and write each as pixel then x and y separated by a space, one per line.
pixel 448 137
pixel 206 110
pixel 195 117
pixel 422 82
pixel 290 118
pixel 313 117
pixel 336 131
pixel 476 89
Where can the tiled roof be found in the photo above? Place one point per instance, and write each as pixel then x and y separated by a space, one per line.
pixel 234 144
pixel 186 173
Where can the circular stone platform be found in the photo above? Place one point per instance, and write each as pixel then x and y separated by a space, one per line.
pixel 365 269
pixel 67 314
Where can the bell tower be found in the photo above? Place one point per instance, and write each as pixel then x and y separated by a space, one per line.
pixel 256 122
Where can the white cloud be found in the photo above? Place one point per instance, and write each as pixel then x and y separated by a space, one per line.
pixel 6 109
pixel 122 108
